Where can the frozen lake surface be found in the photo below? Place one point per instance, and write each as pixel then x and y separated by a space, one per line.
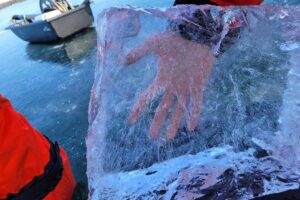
pixel 50 84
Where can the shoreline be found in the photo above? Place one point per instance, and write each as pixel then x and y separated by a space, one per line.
pixel 9 3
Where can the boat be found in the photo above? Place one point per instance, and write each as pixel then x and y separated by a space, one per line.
pixel 54 23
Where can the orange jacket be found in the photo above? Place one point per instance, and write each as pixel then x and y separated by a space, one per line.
pixel 220 2
pixel 24 153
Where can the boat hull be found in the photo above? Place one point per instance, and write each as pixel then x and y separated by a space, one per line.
pixel 56 28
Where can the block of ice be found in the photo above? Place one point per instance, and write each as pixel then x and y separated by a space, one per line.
pixel 174 82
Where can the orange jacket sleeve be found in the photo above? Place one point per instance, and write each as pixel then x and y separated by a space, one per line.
pixel 24 153
pixel 237 2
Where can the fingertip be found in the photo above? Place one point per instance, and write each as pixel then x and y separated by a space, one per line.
pixel 153 136
pixel 154 131
pixel 191 126
pixel 132 118
pixel 123 60
pixel 171 133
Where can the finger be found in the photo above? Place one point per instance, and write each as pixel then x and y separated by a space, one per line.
pixel 161 113
pixel 176 118
pixel 143 102
pixel 194 111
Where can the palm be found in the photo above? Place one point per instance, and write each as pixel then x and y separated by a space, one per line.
pixel 183 74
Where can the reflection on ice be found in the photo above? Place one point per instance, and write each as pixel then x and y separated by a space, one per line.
pixel 67 50
pixel 158 81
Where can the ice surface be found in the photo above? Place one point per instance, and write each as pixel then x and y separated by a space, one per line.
pixel 287 140
pixel 217 173
pixel 146 95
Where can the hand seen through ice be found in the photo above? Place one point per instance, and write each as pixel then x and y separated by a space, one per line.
pixel 183 74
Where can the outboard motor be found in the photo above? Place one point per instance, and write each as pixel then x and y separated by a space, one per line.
pixel 50 5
